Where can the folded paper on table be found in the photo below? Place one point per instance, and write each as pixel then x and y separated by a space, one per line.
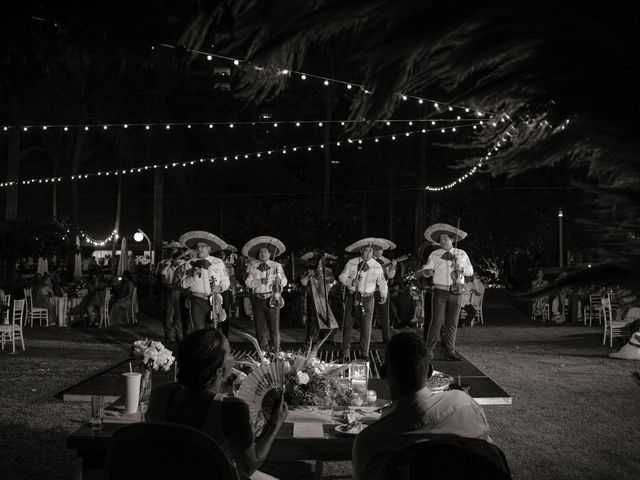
pixel 308 430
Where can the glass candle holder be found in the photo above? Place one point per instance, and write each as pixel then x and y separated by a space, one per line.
pixel 372 397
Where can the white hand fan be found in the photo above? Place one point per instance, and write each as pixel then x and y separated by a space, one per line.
pixel 260 390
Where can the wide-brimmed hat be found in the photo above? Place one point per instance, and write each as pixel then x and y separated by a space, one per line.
pixel 193 238
pixel 231 248
pixel 424 247
pixel 375 243
pixel 388 244
pixel 631 351
pixel 253 246
pixel 434 232
pixel 316 254
pixel 172 244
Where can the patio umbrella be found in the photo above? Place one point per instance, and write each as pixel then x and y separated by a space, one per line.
pixel 123 264
pixel 434 232
pixel 253 246
pixel 77 263
pixel 375 243
pixel 172 244
pixel 192 238
pixel 43 266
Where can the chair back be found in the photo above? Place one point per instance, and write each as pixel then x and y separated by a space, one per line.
pixel 449 457
pixel 18 312
pixel 28 299
pixel 606 309
pixel 594 299
pixel 168 451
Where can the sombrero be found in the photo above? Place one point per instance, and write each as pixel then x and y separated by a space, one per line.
pixel 388 244
pixel 191 239
pixel 375 243
pixel 231 248
pixel 434 232
pixel 253 246
pixel 631 351
pixel 309 255
pixel 172 244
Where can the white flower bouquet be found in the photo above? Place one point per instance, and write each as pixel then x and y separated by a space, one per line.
pixel 152 355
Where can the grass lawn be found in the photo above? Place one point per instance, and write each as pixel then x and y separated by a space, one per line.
pixel 575 412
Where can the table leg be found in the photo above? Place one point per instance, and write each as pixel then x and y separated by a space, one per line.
pixel 317 473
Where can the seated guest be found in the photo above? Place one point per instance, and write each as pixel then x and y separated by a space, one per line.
pixel 415 412
pixel 539 304
pixel 122 300
pixel 204 363
pixel 41 294
pixel 94 299
pixel 472 298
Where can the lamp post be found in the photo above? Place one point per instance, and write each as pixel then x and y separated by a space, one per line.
pixel 138 236
pixel 560 236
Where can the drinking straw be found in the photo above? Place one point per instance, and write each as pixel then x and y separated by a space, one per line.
pixel 459 380
pixel 130 368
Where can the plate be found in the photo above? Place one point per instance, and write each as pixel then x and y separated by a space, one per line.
pixel 439 381
pixel 344 429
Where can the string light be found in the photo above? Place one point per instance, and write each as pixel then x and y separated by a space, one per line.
pixel 246 155
pixel 326 80
pixel 170 125
pixel 99 243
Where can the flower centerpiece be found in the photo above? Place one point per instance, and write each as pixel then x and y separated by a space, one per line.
pixel 152 356
pixel 307 381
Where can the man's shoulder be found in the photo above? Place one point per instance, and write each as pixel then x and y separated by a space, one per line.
pixel 215 261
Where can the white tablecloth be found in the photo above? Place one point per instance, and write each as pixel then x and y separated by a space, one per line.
pixel 632 314
pixel 63 306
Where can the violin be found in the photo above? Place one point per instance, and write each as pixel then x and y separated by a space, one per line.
pixel 217 313
pixel 276 300
pixel 457 276
pixel 357 309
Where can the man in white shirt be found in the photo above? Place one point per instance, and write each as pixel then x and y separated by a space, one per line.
pixel 361 275
pixel 204 276
pixel 448 266
pixel 261 278
pixel 416 412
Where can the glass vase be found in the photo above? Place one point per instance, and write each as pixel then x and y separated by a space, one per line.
pixel 145 386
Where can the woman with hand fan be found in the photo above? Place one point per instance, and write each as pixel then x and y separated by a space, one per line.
pixel 205 362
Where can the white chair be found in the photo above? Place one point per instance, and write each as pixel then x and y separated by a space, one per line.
pixel 7 302
pixel 104 310
pixel 593 309
pixel 13 331
pixel 36 313
pixel 612 328
pixel 478 318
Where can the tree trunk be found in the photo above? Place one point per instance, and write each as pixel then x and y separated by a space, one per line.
pixel 390 177
pixel 116 228
pixel 75 184
pixel 364 213
pixel 158 212
pixel 421 196
pixel 55 190
pixel 13 173
pixel 326 198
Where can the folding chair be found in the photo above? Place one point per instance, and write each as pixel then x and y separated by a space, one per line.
pixel 612 328
pixel 13 331
pixel 34 313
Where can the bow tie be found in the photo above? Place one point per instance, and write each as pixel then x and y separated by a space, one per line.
pixel 263 267
pixel 448 256
pixel 364 267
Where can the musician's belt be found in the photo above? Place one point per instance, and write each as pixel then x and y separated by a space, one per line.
pixel 363 295
pixel 441 287
pixel 263 296
pixel 199 295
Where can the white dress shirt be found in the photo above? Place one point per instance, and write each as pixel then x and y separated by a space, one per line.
pixel 442 268
pixel 374 276
pixel 410 418
pixel 200 282
pixel 255 276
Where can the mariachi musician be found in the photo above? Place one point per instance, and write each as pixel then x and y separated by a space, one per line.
pixel 381 313
pixel 205 278
pixel 361 275
pixel 266 279
pixel 448 265
pixel 317 281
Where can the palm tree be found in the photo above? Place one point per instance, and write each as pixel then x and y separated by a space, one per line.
pixel 535 66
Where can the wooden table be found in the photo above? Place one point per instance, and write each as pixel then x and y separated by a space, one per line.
pixel 91 447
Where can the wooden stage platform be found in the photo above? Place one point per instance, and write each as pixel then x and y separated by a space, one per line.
pixel 110 383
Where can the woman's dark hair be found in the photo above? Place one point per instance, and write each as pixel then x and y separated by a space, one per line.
pixel 199 357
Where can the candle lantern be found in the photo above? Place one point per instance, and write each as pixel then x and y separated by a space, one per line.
pixel 359 375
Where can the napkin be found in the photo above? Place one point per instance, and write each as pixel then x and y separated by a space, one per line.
pixel 308 430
